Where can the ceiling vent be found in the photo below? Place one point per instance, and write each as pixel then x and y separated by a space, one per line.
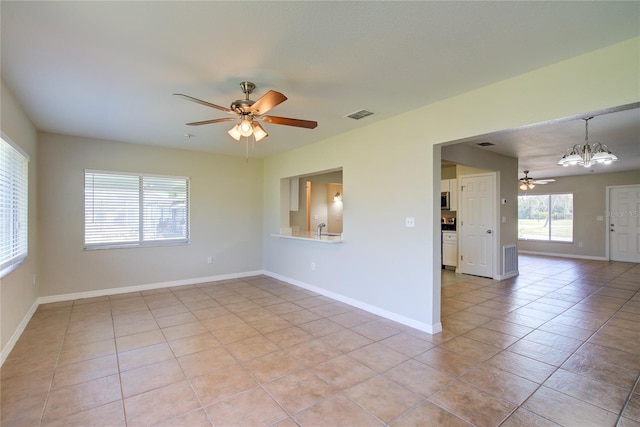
pixel 485 144
pixel 359 114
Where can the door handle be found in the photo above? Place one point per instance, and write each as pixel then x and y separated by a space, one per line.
pixel 489 231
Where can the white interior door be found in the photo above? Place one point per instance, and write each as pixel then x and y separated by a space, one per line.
pixel 624 223
pixel 477 223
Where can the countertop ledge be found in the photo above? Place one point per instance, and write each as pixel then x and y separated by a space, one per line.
pixel 310 237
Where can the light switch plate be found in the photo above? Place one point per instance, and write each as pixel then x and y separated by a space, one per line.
pixel 410 221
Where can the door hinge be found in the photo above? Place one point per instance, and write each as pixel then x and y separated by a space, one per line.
pixel 461 258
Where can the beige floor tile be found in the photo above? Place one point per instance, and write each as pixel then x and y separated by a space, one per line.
pixel 193 344
pixel 206 361
pixel 24 412
pixel 343 372
pixel 378 357
pixel 347 340
pixel 321 327
pixel 160 405
pixel 150 377
pixel 313 352
pixel 183 330
pixel 81 397
pixel 523 418
pixel 80 372
pixel 567 410
pixel 20 387
pixel 222 383
pixel 175 319
pixel 427 414
pixel 500 384
pixel 336 411
pixel 139 340
pixel 111 414
pixel 447 361
pixel 473 405
pixel 419 378
pixel 299 390
pixel 383 397
pixel 234 333
pixel 251 348
pixel 597 393
pixel 197 418
pixel 81 352
pixel 273 365
pixel 407 344
pixel 250 408
pixel 376 330
pixel 136 358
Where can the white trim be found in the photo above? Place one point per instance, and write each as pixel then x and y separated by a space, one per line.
pixel 147 287
pixel 425 327
pixel 595 258
pixel 18 332
pixel 506 276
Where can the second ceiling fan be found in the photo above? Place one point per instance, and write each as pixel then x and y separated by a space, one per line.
pixel 250 113
pixel 528 183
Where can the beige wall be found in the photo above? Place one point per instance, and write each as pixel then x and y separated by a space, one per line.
pixel 589 202
pixel 226 215
pixel 382 263
pixel 18 292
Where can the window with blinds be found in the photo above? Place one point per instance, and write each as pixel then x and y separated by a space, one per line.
pixel 129 210
pixel 14 202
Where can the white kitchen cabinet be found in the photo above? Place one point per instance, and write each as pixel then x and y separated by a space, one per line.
pixel 444 185
pixel 450 248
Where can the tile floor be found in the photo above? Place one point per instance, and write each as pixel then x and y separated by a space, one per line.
pixel 558 345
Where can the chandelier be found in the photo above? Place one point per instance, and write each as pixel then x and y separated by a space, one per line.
pixel 588 154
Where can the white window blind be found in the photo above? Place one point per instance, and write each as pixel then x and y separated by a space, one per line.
pixel 14 201
pixel 123 210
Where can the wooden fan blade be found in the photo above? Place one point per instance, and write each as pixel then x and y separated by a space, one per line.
pixel 205 103
pixel 290 122
pixel 208 122
pixel 267 102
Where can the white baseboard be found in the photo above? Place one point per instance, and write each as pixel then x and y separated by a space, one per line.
pixel 147 287
pixel 425 327
pixel 506 276
pixel 553 254
pixel 18 332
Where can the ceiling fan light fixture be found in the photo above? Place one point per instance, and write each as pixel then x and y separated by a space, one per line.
pixel 234 132
pixel 258 132
pixel 245 128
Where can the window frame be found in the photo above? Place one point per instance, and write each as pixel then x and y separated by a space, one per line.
pixel 142 240
pixel 17 241
pixel 549 238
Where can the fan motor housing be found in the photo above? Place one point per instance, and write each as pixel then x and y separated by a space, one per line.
pixel 241 105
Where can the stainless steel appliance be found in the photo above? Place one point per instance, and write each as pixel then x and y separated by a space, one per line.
pixel 444 200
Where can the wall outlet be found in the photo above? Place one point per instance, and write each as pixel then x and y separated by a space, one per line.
pixel 313 266
pixel 579 244
pixel 409 221
pixel 209 259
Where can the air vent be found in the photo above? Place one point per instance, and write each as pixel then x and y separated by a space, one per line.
pixel 359 114
pixel 485 144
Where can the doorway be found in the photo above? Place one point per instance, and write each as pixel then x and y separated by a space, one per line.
pixel 623 223
pixel 477 224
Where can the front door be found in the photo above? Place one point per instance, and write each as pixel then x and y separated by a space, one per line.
pixel 624 224
pixel 477 223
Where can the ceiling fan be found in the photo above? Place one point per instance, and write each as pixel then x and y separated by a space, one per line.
pixel 249 113
pixel 528 183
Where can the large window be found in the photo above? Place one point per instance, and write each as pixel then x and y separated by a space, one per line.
pixel 125 210
pixel 14 166
pixel 545 217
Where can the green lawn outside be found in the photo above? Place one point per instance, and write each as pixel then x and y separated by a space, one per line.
pixel 533 229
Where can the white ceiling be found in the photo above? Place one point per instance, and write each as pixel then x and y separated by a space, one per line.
pixel 108 69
